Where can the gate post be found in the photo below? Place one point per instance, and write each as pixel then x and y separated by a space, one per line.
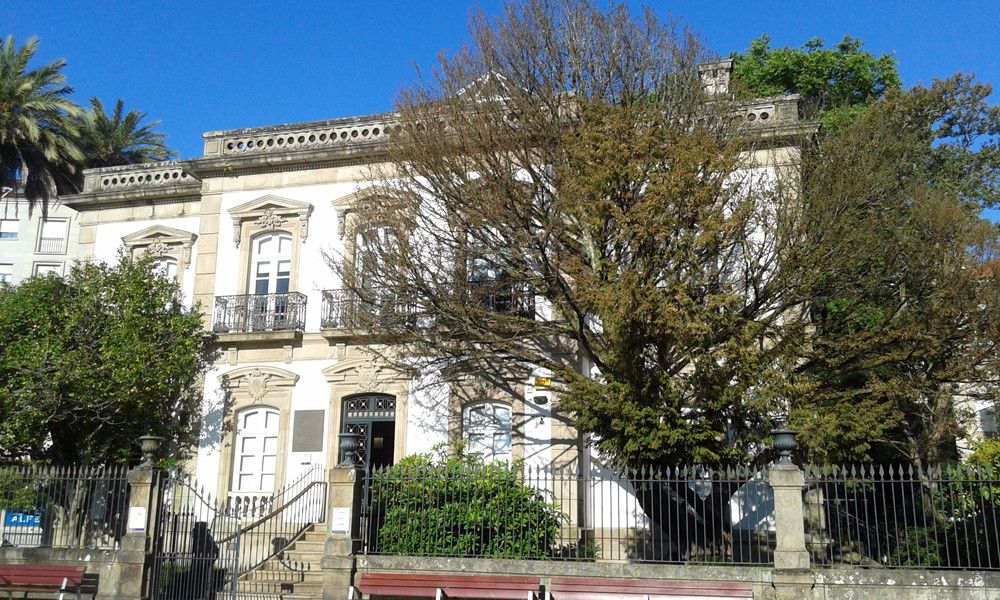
pixel 791 577
pixel 132 568
pixel 344 524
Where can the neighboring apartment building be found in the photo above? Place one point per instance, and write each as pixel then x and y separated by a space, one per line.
pixel 247 230
pixel 32 245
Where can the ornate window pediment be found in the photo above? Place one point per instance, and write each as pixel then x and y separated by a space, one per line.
pixel 364 375
pixel 259 382
pixel 345 205
pixel 162 241
pixel 269 213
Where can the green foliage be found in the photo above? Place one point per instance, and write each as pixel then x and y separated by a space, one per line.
pixel 835 83
pixel 119 138
pixel 986 454
pixel 918 548
pixel 38 150
pixel 91 362
pixel 15 495
pixel 904 303
pixel 46 140
pixel 461 507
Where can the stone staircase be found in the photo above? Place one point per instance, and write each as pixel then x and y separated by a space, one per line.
pixel 293 575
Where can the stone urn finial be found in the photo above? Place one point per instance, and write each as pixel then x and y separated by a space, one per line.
pixel 150 444
pixel 349 444
pixel 784 443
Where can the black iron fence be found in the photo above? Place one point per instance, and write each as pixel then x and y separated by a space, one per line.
pixel 682 515
pixel 941 517
pixel 207 547
pixel 258 313
pixel 63 507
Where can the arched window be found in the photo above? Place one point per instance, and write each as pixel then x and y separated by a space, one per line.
pixel 256 459
pixel 486 428
pixel 165 267
pixel 271 265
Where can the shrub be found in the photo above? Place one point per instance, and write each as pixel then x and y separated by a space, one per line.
pixel 460 507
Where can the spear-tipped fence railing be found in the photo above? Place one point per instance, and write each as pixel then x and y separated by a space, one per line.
pixel 677 515
pixel 205 545
pixel 63 507
pixel 941 517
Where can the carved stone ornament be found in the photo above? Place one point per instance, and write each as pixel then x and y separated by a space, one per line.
pixel 157 248
pixel 269 220
pixel 271 212
pixel 369 378
pixel 256 384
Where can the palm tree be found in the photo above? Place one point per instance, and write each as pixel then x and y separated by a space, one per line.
pixel 38 150
pixel 119 139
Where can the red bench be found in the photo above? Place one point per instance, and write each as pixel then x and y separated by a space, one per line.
pixel 448 586
pixel 34 578
pixel 632 589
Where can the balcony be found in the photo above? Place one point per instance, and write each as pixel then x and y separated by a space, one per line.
pixel 344 309
pixel 48 245
pixel 254 316
pixel 504 297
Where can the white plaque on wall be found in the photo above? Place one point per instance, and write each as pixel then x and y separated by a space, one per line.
pixel 340 522
pixel 137 518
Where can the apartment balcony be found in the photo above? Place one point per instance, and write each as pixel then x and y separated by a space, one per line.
pixel 345 311
pixel 260 317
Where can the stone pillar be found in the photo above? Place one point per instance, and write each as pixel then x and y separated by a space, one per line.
pixel 344 524
pixel 134 560
pixel 791 577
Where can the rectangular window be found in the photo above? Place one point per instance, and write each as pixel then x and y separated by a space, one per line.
pixel 43 269
pixel 52 239
pixel 8 229
pixel 6 273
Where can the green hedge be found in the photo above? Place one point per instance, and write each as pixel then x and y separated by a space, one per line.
pixel 460 507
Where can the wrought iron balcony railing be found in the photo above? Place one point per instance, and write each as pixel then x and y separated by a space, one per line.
pixel 259 313
pixel 504 297
pixel 344 309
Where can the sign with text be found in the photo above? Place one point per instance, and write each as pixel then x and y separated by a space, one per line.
pixel 20 519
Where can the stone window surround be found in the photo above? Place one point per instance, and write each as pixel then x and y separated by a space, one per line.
pixel 251 387
pixel 470 391
pixel 160 241
pixel 365 376
pixel 269 214
pixel 347 221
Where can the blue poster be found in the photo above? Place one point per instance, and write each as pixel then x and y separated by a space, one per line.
pixel 19 519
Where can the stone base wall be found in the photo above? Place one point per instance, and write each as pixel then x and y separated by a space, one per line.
pixel 821 584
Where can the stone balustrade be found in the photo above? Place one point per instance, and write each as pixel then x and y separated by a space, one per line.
pixel 130 177
pixel 773 112
pixel 308 136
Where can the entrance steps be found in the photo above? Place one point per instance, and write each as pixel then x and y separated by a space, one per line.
pixel 293 575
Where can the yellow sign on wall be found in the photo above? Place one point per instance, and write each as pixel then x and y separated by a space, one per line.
pixel 543 383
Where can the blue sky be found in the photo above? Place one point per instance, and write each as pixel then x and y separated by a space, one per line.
pixel 206 65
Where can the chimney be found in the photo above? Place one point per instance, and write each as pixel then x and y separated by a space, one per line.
pixel 715 77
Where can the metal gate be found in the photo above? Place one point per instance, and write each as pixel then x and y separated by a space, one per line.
pixel 207 548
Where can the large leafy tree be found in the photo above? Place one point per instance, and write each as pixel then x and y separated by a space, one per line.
pixel 570 154
pixel 38 151
pixel 91 362
pixel 119 138
pixel 835 83
pixel 905 300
